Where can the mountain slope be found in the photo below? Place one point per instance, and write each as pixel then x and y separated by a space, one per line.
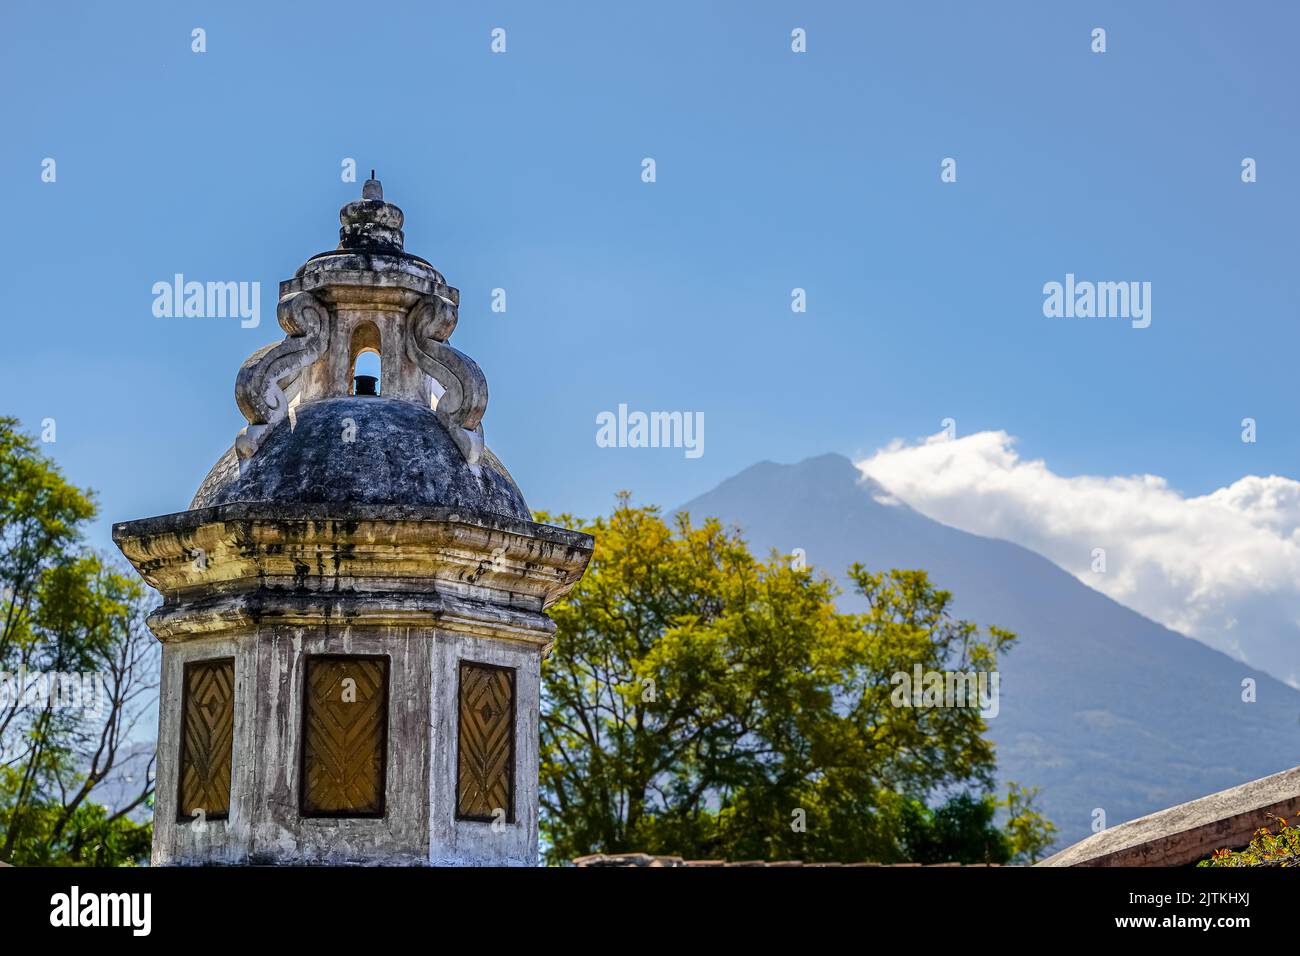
pixel 1100 707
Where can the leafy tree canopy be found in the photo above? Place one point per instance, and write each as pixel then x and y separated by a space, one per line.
pixel 702 703
pixel 77 669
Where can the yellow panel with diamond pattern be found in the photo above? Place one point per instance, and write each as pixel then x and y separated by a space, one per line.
pixel 345 735
pixel 486 755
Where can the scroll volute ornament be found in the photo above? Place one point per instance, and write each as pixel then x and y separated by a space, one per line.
pixel 263 386
pixel 460 409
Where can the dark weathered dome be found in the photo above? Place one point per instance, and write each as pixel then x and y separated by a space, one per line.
pixel 399 453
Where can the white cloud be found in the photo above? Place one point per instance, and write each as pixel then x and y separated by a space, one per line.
pixel 1223 568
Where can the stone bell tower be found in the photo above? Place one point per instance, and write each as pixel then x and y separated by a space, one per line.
pixel 353 616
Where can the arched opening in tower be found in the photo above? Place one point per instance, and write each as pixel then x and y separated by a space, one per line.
pixel 367 360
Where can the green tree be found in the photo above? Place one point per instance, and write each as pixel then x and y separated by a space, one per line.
pixel 78 669
pixel 702 703
pixel 1030 833
pixel 960 830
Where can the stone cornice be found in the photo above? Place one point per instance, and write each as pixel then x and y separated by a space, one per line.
pixel 236 565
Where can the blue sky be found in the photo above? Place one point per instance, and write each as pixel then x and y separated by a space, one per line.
pixel 775 171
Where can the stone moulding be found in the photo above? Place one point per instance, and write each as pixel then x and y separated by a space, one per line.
pixel 242 565
pixel 399 278
pixel 237 613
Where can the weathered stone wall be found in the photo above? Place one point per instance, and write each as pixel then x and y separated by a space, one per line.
pixel 455 842
pixel 419 825
pixel 215 841
pixel 265 825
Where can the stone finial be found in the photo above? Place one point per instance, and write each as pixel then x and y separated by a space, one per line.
pixel 369 224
